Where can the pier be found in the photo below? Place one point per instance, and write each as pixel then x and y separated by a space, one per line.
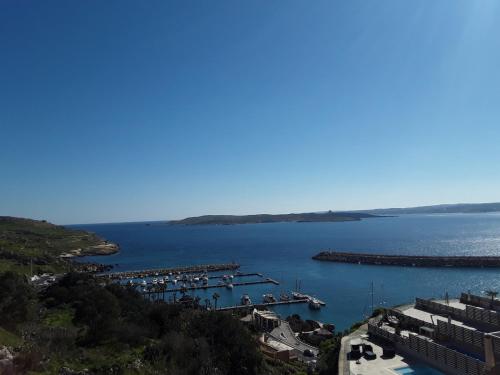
pixel 261 305
pixel 162 289
pixel 203 268
pixel 409 260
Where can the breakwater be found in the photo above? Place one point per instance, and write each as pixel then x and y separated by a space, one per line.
pixel 409 260
pixel 203 268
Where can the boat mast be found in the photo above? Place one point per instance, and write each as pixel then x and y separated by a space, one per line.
pixel 372 299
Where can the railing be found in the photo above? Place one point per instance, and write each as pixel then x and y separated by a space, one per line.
pixel 435 354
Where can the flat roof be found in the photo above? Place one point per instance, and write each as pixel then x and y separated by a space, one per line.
pixel 432 318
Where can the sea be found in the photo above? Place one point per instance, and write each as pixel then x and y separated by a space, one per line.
pixel 283 251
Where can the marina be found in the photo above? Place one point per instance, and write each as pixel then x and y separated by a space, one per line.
pixel 195 287
pixel 289 246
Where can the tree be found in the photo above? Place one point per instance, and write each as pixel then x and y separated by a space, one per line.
pixel 215 297
pixel 16 299
pixel 492 293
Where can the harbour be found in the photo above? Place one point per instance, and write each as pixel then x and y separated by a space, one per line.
pixel 158 287
pixel 270 249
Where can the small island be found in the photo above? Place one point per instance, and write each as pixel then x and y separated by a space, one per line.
pixel 309 217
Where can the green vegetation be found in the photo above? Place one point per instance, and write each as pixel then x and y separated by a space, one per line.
pixel 8 338
pixel 264 218
pixel 80 324
pixel 30 245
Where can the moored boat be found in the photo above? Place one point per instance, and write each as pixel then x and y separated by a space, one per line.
pixel 268 298
pixel 245 300
pixel 284 297
pixel 297 295
pixel 314 304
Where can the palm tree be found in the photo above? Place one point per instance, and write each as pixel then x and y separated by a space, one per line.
pixel 215 296
pixel 492 293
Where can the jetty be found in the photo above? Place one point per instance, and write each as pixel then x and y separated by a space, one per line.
pixel 262 305
pixel 409 260
pixel 159 289
pixel 202 268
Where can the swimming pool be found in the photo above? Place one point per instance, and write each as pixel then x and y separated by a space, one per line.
pixel 416 370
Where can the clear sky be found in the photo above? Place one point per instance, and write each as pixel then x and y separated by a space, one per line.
pixel 149 110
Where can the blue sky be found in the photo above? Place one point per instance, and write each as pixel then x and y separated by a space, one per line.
pixel 127 110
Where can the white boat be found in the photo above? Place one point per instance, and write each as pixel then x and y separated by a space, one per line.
pixel 166 278
pixel 144 283
pixel 314 304
pixel 245 300
pixel 196 279
pixel 155 281
pixel 229 286
pixel 130 282
pixel 174 281
pixel 284 297
pixel 268 298
pixel 161 281
pixel 297 295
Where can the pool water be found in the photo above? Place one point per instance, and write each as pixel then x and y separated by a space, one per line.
pixel 417 370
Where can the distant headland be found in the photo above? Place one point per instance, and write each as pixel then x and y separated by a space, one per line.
pixel 337 216
pixel 459 208
pixel 310 217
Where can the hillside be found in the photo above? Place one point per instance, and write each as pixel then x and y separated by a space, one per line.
pixel 267 218
pixel 438 209
pixel 24 242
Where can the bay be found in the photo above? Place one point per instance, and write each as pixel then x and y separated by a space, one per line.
pixel 283 252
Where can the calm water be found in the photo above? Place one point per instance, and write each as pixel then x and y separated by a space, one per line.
pixel 283 251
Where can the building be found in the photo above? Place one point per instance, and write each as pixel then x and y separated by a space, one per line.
pixel 265 320
pixel 459 337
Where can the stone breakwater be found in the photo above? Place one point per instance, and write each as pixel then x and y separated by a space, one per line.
pixel 409 260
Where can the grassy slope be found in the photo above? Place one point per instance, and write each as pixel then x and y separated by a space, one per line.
pixel 25 240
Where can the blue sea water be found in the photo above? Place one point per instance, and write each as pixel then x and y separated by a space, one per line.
pixel 417 370
pixel 283 251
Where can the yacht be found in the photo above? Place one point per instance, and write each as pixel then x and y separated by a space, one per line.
pixel 284 297
pixel 297 295
pixel 268 298
pixel 245 300
pixel 314 304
